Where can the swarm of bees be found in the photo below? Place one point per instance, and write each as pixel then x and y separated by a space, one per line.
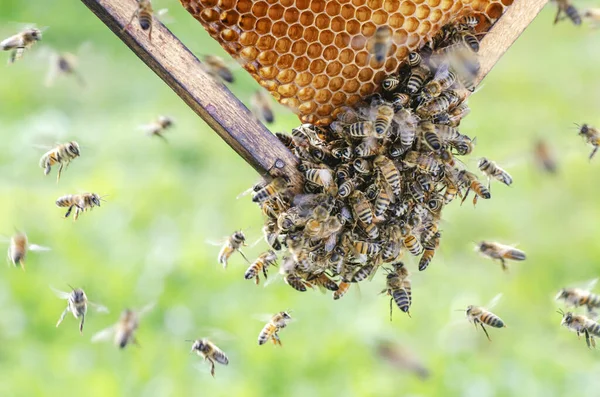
pixel 377 179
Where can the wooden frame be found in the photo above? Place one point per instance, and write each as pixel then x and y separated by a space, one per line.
pixel 216 105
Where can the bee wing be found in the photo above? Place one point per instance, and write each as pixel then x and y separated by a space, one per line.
pixel 104 335
pixel 99 308
pixel 263 317
pixel 494 301
pixel 52 70
pixel 213 333
pixel 59 293
pixel 35 247
pixel 148 128
pixel 587 285
pixel 146 309
pixel 216 243
pixel 272 279
pixel 244 193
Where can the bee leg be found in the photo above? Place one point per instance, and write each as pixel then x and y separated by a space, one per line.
pixel 391 299
pixel 475 199
pixel 81 324
pixel 484 330
pixel 62 316
pixel 150 38
pixel 465 196
pixel 593 152
pixel 135 14
pixel 244 256
pixel 212 367
pixel 69 211
pixel 593 341
pixel 59 172
pixel 587 337
pixel 257 280
pixel 503 263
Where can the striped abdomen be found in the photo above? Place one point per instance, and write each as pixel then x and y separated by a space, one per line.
pixel 371 231
pixel 267 333
pixel 366 248
pixel 403 296
pixel 573 14
pixel 591 300
pixel 382 203
pixel 416 79
pixel 385 113
pixel 491 319
pixel 361 129
pixel 362 273
pixel 413 245
pixel 426 259
pixel 593 328
pixel 341 291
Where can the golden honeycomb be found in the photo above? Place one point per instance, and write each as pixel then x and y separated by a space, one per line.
pixel 314 55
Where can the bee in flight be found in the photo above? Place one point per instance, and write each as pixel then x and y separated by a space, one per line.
pixel 77 303
pixel 18 247
pixel 382 41
pixel 492 170
pixel 63 64
pixel 145 15
pixel 123 332
pixel 400 358
pixel 501 252
pixel 581 325
pixel 210 352
pixel 20 42
pixel 261 107
pixel 158 127
pixel 81 202
pixel 230 245
pixel 61 154
pixel 565 7
pixel 265 260
pixel 592 136
pixel 576 297
pixel 544 157
pixel 217 67
pixel 272 328
pixel 479 316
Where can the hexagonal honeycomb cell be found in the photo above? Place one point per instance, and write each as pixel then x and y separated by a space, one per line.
pixel 313 55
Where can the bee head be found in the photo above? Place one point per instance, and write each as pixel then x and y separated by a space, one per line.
pixel 286 315
pixel 239 235
pixel 562 294
pixel 73 147
pixel 78 295
pixel 96 199
pixel 35 34
pixel 469 309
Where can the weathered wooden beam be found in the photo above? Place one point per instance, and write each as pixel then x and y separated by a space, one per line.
pixel 506 31
pixel 209 98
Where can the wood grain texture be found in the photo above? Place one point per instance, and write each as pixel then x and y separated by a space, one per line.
pixel 209 98
pixel 506 31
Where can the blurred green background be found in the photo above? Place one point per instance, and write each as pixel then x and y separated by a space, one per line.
pixel 147 242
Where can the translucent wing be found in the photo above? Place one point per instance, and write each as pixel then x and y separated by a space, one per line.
pixel 494 301
pixel 60 294
pixel 164 17
pixel 149 128
pixel 216 243
pixel 35 247
pixel 146 309
pixel 104 335
pixel 245 193
pixel 99 308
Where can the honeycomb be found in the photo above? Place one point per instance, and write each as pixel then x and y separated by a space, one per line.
pixel 314 56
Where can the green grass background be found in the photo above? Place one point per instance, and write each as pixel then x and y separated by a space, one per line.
pixel 147 242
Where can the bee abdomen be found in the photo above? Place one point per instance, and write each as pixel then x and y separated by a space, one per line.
pixel 426 259
pixel 573 14
pixel 266 333
pixel 145 21
pixel 492 320
pixel 594 329
pixel 252 271
pixel 516 255
pixel 403 299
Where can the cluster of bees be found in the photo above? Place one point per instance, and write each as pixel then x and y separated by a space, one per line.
pixel 579 323
pixel 567 10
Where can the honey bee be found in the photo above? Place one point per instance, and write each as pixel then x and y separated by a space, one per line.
pixel 81 202
pixel 469 22
pixel 492 170
pixel 430 138
pixel 323 281
pixel 272 189
pixel 63 64
pixel 576 297
pixel 434 106
pixel 382 202
pixel 61 154
pixel 417 78
pixel 501 252
pixel 20 42
pixel 145 16
pixel 361 207
pixel 581 325
pixel 77 304
pixel 18 248
pixel 442 80
pixel 399 290
pixel 343 287
pixel 383 119
pixel 469 180
pixel 210 352
pixel 232 244
pixel 426 164
pixel 412 244
pixel 271 329
pixel 390 83
pixel 400 100
pixel 261 107
pixel 414 59
pixel 544 157
pixel 362 166
pixel 123 332
pixel 426 259
pixel 382 41
pixel 360 129
pixel 480 316
pixel 389 172
pixel 401 359
pixel 367 148
pixel 158 127
pixel 592 136
pixel 217 67
pixel 565 6
pixel 366 248
pixel 264 260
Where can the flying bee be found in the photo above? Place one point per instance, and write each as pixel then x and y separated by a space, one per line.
pixel 382 41
pixel 20 42
pixel 81 202
pixel 158 127
pixel 123 332
pixel 565 6
pixel 77 304
pixel 581 325
pixel 209 352
pixel 261 107
pixel 145 16
pixel 470 180
pixel 272 189
pixel 18 248
pixel 492 170
pixel 592 136
pixel 501 252
pixel 544 157
pixel 480 316
pixel 443 79
pixel 399 290
pixel 576 297
pixel 401 359
pixel 230 245
pixel 216 67
pixel 262 263
pixel 272 328
pixel 417 78
pixel 62 154
pixel 390 173
pixel 64 64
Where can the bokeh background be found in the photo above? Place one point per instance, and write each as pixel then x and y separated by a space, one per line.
pixel 147 242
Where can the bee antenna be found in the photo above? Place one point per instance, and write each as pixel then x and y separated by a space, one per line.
pixel 459 310
pixel 71 287
pixel 559 311
pixel 102 197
